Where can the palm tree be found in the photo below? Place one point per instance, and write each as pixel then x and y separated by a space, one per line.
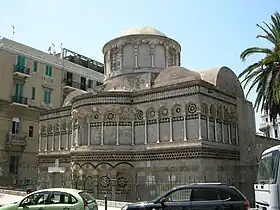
pixel 265 73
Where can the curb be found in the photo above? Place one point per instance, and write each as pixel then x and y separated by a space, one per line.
pixel 115 204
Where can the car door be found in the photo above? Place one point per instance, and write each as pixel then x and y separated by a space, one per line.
pixel 231 199
pixel 35 201
pixel 61 201
pixel 178 199
pixel 204 198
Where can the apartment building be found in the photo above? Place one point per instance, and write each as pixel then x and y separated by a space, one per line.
pixel 269 129
pixel 31 81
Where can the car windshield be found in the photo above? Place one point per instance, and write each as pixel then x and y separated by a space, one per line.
pixel 87 197
pixel 268 168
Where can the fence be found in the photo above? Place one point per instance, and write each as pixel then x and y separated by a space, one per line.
pixel 125 191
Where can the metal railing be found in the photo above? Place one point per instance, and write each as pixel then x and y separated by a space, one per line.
pixel 21 69
pixel 19 100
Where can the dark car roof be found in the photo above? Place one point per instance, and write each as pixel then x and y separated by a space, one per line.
pixel 202 185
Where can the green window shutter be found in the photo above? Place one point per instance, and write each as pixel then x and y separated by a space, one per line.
pixel 45 96
pixel 33 93
pixel 15 92
pixel 50 71
pixel 47 70
pixel 35 66
pixel 22 61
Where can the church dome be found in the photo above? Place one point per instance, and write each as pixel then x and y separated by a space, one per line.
pixel 142 31
pixel 70 96
pixel 175 74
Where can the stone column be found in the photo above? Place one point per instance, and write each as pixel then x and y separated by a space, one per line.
pixel 208 128
pixel 199 126
pixel 185 127
pixel 236 134
pixel 136 55
pixel 77 134
pixel 53 138
pixel 215 125
pixel 152 47
pixel 166 56
pixel 223 135
pixel 88 133
pixel 102 133
pixel 121 61
pixel 158 130
pixel 67 138
pixel 72 134
pixel 46 143
pixel 146 131
pixel 132 133
pixel 59 138
pixel 117 143
pixel 229 133
pixel 171 129
pixel 40 140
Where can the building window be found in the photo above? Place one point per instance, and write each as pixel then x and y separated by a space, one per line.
pixel 48 71
pixel 30 132
pixel 90 83
pixel 83 83
pixel 33 93
pixel 14 162
pixel 35 66
pixel 47 95
pixel 266 119
pixel 15 126
pixel 267 134
pixel 20 60
pixel 276 133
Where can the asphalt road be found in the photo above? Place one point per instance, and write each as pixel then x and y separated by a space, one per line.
pixel 6 199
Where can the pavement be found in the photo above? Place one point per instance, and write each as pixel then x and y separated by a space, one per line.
pixel 6 199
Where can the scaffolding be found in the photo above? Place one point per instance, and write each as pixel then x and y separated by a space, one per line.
pixel 82 60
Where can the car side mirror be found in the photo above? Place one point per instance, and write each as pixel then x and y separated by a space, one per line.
pixel 162 201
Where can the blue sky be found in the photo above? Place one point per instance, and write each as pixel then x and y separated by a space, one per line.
pixel 212 33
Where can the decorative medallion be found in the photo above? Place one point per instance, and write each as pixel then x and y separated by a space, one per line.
pixel 95 116
pixel 139 115
pixel 164 112
pixel 192 108
pixel 122 181
pixel 104 181
pixel 152 113
pixel 178 110
pixel 110 116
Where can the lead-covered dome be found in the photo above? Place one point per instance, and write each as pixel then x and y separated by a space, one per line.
pixel 142 31
pixel 174 75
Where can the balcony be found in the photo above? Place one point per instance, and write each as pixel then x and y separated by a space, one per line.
pixel 16 139
pixel 19 100
pixel 70 85
pixel 21 71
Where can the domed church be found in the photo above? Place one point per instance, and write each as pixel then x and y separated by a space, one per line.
pixel 152 124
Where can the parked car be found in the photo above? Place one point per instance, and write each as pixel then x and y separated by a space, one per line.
pixel 55 199
pixel 200 196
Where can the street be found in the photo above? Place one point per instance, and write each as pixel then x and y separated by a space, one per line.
pixel 6 199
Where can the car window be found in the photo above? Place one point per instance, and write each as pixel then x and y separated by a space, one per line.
pixel 35 199
pixel 87 197
pixel 181 195
pixel 204 194
pixel 62 198
pixel 224 194
pixel 234 195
